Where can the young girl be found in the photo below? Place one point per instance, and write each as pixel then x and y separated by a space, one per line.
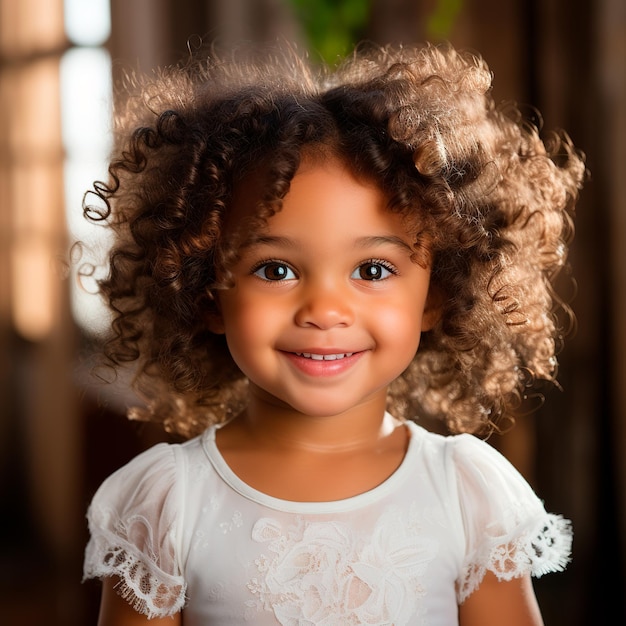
pixel 308 263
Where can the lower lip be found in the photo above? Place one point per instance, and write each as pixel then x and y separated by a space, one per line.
pixel 313 367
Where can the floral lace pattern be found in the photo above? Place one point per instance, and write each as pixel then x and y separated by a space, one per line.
pixel 148 589
pixel 324 573
pixel 542 549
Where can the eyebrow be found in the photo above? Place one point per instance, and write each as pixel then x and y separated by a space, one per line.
pixel 269 240
pixel 362 242
pixel 384 240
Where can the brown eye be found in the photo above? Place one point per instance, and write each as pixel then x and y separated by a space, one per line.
pixel 373 270
pixel 274 271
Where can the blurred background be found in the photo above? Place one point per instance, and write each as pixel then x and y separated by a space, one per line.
pixel 61 434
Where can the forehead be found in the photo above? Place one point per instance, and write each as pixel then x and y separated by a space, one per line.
pixel 328 187
pixel 321 175
pixel 326 208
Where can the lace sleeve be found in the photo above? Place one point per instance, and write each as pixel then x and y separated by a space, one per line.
pixel 507 528
pixel 132 524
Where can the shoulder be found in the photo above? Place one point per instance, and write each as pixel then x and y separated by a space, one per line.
pixel 466 457
pixel 490 491
pixel 486 480
pixel 135 524
pixel 455 452
pixel 157 463
pixel 151 478
pixel 506 528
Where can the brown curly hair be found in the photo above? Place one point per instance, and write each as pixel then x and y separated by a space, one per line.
pixel 493 200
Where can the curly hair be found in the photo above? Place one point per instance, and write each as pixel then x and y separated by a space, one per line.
pixel 490 202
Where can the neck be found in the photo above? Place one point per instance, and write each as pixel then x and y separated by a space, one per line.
pixel 280 426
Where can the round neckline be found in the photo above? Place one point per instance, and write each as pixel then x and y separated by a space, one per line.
pixel 290 506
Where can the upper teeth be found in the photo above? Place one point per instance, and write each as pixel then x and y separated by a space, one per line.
pixel 324 357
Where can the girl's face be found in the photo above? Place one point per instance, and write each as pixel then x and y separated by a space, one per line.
pixel 327 306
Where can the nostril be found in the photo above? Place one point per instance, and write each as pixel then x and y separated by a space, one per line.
pixel 324 317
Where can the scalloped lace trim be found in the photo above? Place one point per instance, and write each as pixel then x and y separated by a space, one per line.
pixel 544 548
pixel 147 589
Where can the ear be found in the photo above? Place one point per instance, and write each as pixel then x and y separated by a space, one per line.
pixel 433 308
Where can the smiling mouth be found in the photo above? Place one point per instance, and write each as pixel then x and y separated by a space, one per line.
pixel 324 357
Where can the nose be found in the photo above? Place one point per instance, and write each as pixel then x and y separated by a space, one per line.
pixel 325 306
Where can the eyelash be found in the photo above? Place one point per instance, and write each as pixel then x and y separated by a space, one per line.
pixel 257 266
pixel 392 269
pixel 386 264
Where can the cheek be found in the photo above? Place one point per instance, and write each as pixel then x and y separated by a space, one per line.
pixel 247 324
pixel 401 319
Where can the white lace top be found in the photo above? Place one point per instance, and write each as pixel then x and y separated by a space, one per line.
pixel 183 531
